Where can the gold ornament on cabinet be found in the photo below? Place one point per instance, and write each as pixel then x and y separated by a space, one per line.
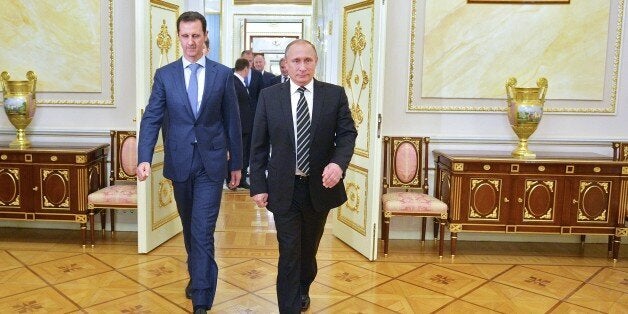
pixel 19 105
pixel 525 110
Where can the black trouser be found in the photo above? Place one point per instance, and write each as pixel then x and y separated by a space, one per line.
pixel 299 231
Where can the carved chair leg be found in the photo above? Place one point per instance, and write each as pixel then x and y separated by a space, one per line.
pixel 113 219
pixel 385 231
pixel 583 238
pixel 91 225
pixel 436 228
pixel 423 226
pixel 610 245
pixel 441 240
pixel 103 220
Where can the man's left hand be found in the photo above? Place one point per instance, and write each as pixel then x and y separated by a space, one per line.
pixel 331 175
pixel 236 175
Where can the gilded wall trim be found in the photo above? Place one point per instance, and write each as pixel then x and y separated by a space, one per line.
pixel 606 106
pixel 162 208
pixel 156 38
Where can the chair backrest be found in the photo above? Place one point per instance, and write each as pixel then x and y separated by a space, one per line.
pixel 123 156
pixel 405 163
pixel 620 151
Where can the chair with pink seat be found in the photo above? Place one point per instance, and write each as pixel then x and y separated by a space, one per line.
pixel 121 194
pixel 405 187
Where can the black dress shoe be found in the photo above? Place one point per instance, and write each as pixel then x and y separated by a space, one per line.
pixel 305 303
pixel 200 310
pixel 188 290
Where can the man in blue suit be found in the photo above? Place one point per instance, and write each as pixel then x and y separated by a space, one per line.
pixel 193 100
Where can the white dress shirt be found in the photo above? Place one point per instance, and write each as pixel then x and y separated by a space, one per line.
pixel 294 100
pixel 200 75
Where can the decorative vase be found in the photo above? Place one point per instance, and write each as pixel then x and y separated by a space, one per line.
pixel 525 110
pixel 19 105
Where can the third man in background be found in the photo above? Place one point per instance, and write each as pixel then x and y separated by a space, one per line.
pixel 259 63
pixel 284 73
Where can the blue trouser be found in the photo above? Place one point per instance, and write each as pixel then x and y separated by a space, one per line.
pixel 198 202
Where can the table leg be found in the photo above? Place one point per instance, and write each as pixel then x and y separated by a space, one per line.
pixel 84 233
pixel 441 240
pixel 454 238
pixel 616 242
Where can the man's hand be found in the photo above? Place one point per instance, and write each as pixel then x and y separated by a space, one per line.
pixel 261 200
pixel 236 175
pixel 331 175
pixel 143 171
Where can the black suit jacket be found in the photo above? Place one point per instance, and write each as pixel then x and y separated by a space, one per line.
pixel 333 139
pixel 276 80
pixel 255 87
pixel 267 78
pixel 244 104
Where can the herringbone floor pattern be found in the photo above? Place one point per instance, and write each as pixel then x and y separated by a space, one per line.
pixel 47 271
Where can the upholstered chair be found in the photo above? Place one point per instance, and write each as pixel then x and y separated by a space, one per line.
pixel 405 187
pixel 121 194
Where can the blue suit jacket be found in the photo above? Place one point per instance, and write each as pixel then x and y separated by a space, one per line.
pixel 216 129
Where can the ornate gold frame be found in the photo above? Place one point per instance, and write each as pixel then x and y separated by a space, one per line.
pixel 612 98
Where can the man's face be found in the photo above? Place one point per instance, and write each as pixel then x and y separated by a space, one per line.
pixel 301 63
pixel 192 38
pixel 283 67
pixel 259 63
pixel 248 56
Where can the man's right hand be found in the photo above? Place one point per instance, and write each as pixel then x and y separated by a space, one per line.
pixel 143 171
pixel 261 200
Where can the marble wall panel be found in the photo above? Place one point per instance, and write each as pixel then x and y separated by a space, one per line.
pixel 59 40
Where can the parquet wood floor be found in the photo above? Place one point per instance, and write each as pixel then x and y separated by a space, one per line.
pixel 47 271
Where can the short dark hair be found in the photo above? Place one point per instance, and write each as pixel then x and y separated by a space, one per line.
pixel 300 41
pixel 241 64
pixel 191 16
pixel 246 52
pixel 207 42
pixel 255 54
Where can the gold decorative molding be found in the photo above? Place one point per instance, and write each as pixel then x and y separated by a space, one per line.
pixel 584 186
pixel 80 218
pixel 356 77
pixel 621 232
pixel 494 214
pixel 455 227
pixel 162 35
pixel 352 206
pixel 610 108
pixel 166 192
pixel 530 185
pixel 4 157
pixel 81 159
pixel 458 166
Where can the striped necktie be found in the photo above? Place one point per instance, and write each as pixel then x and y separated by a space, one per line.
pixel 303 133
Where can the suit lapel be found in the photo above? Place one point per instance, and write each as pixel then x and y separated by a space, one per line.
pixel 210 79
pixel 317 106
pixel 286 110
pixel 179 82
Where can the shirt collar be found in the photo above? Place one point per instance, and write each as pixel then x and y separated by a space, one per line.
pixel 200 61
pixel 239 76
pixel 293 87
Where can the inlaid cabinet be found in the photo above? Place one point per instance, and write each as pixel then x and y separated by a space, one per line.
pixel 50 181
pixel 554 193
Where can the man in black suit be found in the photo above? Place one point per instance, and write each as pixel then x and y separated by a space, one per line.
pixel 259 63
pixel 284 73
pixel 305 170
pixel 253 81
pixel 241 70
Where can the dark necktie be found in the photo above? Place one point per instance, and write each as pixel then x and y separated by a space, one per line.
pixel 284 79
pixel 193 88
pixel 303 133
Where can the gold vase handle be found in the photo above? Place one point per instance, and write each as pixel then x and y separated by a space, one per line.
pixel 542 84
pixel 32 78
pixel 3 78
pixel 510 84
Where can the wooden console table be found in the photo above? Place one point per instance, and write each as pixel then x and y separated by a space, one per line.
pixel 50 181
pixel 556 193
